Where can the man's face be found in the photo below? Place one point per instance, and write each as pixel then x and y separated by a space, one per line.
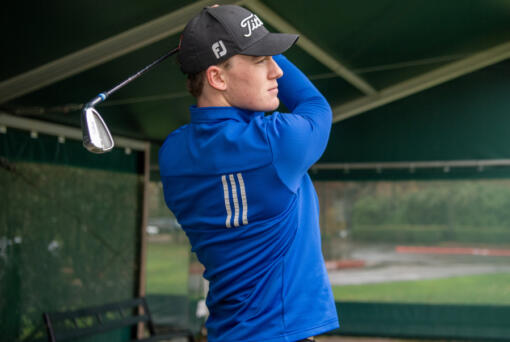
pixel 251 83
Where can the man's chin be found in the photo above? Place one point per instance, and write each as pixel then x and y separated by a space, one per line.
pixel 274 106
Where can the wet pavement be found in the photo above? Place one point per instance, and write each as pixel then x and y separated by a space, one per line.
pixel 385 264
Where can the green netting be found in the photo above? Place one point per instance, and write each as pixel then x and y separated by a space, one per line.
pixel 18 145
pixel 68 239
pixel 464 119
pixel 168 278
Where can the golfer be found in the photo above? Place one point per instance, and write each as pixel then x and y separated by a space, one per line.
pixel 237 180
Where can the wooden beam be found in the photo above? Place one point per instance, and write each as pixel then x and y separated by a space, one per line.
pixel 142 267
pixel 7 120
pixel 103 51
pixel 420 83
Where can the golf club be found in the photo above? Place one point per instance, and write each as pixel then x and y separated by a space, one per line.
pixel 96 135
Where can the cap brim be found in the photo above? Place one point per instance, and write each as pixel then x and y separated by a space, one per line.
pixel 271 44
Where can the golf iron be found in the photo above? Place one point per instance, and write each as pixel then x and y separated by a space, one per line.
pixel 96 135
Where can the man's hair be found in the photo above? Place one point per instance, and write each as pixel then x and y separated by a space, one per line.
pixel 195 82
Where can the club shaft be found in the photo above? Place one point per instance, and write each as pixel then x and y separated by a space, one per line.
pixel 139 73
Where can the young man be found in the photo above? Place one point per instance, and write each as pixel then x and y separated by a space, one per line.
pixel 237 180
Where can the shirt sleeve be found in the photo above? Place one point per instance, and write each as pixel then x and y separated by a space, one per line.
pixel 298 138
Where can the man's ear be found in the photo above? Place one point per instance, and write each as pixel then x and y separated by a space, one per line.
pixel 215 77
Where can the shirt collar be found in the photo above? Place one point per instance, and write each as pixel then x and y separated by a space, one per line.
pixel 212 114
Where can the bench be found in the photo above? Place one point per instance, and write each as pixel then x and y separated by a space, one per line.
pixel 71 325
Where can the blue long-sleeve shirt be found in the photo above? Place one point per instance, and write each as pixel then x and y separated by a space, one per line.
pixel 237 182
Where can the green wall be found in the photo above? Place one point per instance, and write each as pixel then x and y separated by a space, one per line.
pixel 464 119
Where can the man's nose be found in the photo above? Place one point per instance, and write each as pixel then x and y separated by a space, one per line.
pixel 275 71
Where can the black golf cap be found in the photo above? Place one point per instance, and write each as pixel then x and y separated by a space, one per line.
pixel 218 33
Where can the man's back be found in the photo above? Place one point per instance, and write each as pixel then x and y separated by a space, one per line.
pixel 236 180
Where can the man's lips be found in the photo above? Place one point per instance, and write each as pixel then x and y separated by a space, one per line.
pixel 274 90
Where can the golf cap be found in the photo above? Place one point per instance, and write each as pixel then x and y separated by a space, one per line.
pixel 218 33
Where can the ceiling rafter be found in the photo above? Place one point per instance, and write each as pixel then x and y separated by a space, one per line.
pixel 310 47
pixel 420 83
pixel 103 51
pixel 38 126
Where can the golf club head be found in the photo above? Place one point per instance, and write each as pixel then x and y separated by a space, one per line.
pixel 96 135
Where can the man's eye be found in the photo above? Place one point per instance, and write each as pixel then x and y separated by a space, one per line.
pixel 262 60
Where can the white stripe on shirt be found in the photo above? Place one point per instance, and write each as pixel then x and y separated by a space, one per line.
pixel 243 198
pixel 236 201
pixel 227 201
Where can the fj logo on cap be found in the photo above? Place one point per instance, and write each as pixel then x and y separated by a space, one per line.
pixel 251 22
pixel 219 49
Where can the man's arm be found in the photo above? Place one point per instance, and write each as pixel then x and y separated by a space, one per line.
pixel 299 138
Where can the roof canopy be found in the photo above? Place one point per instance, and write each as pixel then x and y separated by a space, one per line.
pixel 361 54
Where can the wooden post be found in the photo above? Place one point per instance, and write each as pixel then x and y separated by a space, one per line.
pixel 143 236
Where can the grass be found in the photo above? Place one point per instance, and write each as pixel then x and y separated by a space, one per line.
pixel 167 268
pixel 167 273
pixel 474 289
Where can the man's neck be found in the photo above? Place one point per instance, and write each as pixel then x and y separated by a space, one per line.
pixel 212 99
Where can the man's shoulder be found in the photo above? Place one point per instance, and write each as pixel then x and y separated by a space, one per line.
pixel 220 147
pixel 171 141
pixel 177 131
pixel 174 135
